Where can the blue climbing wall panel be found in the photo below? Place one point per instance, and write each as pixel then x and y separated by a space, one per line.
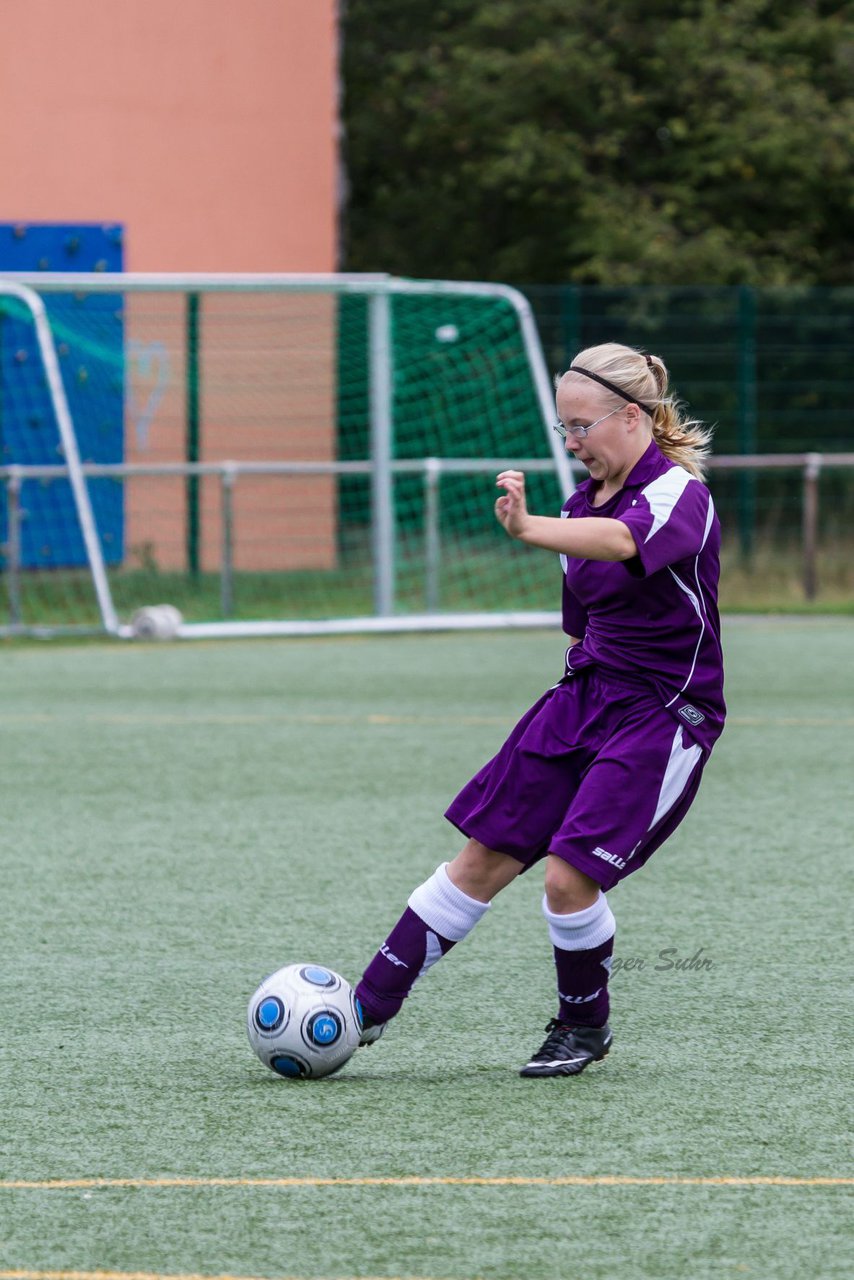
pixel 88 331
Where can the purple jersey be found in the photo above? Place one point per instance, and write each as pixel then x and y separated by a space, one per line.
pixel 654 618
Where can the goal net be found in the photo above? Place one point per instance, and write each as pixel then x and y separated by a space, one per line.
pixel 271 454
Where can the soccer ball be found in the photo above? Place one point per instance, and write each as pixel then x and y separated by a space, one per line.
pixel 304 1022
pixel 156 622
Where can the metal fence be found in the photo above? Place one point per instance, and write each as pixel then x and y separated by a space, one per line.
pixel 810 467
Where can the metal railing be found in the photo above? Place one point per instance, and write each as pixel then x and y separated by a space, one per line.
pixel 229 472
pixel 431 469
pixel 811 466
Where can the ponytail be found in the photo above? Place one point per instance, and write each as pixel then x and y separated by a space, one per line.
pixel 644 379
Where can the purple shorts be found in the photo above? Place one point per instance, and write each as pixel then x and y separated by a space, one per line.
pixel 597 772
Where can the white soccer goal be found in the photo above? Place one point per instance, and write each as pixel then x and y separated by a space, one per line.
pixel 269 454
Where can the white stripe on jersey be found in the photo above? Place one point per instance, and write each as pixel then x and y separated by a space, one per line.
pixel 696 603
pixel 710 515
pixel 663 494
pixel 564 563
pixel 699 604
pixel 680 766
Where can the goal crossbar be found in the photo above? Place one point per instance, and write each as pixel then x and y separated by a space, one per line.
pixel 378 290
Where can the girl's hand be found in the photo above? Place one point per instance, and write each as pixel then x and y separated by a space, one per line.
pixel 511 511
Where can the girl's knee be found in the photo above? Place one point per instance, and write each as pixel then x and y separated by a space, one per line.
pixel 482 872
pixel 567 888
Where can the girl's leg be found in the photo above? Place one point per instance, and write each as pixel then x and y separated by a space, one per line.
pixel 440 913
pixel 630 800
pixel 581 927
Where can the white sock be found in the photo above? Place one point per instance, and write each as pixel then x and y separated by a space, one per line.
pixel 581 930
pixel 444 908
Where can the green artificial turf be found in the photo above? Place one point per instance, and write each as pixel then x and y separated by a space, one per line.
pixel 180 820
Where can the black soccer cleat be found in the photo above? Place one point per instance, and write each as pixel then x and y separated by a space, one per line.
pixel 369 1031
pixel 568 1050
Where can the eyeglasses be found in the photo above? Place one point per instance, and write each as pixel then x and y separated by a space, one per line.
pixel 581 433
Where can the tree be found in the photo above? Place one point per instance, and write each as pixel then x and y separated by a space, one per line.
pixel 642 141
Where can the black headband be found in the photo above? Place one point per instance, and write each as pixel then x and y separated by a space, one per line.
pixel 574 368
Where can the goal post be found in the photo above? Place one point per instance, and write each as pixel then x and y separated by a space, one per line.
pixel 280 454
pixel 382 405
pixel 31 309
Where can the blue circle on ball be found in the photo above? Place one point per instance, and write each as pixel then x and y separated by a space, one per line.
pixel 288 1067
pixel 319 977
pixel 325 1029
pixel 270 1014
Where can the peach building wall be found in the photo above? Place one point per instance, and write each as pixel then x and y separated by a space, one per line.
pixel 208 129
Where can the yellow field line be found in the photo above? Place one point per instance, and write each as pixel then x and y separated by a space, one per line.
pixel 568 1180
